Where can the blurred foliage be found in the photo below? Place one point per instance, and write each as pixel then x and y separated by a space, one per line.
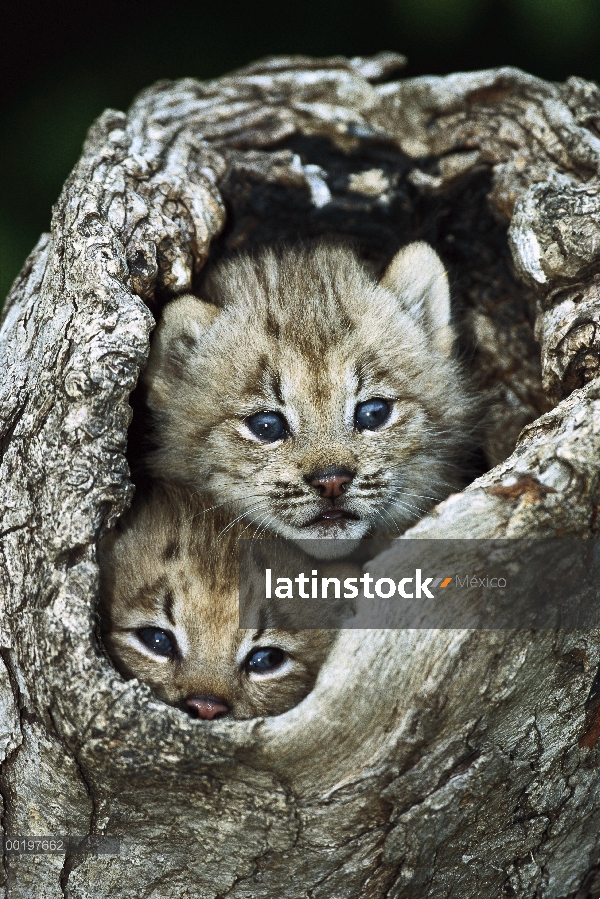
pixel 562 29
pixel 62 63
pixel 439 21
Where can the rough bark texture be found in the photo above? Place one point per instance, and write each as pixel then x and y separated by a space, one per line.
pixel 424 763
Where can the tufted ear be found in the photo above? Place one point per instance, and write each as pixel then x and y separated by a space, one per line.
pixel 416 276
pixel 179 332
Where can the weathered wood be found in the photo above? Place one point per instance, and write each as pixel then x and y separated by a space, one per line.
pixel 424 763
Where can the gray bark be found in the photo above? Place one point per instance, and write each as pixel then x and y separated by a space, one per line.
pixel 424 763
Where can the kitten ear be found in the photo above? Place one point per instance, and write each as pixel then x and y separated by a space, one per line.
pixel 181 328
pixel 417 277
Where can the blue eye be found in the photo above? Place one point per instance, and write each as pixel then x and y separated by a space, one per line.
pixel 268 426
pixel 371 414
pixel 261 660
pixel 160 642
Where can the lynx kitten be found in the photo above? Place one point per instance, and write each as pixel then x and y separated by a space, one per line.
pixel 169 616
pixel 310 399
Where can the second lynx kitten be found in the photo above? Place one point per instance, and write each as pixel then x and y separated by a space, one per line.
pixel 309 398
pixel 170 615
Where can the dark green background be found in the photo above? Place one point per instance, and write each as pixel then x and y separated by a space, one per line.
pixel 63 62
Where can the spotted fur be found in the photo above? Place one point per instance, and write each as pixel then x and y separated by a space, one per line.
pixel 309 333
pixel 192 593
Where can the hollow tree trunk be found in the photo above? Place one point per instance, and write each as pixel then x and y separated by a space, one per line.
pixel 424 763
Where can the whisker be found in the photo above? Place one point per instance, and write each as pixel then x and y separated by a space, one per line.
pixel 249 525
pixel 263 529
pixel 219 505
pixel 390 516
pixel 398 490
pixel 239 518
pixel 380 512
pixel 410 506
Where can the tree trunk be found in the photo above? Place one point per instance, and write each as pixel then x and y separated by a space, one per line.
pixel 424 763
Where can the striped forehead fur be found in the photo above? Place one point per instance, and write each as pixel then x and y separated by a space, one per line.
pixel 275 284
pixel 165 526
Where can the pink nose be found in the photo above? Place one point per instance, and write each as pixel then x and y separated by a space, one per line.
pixel 330 486
pixel 206 707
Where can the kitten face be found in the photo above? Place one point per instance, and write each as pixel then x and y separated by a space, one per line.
pixel 170 617
pixel 308 398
